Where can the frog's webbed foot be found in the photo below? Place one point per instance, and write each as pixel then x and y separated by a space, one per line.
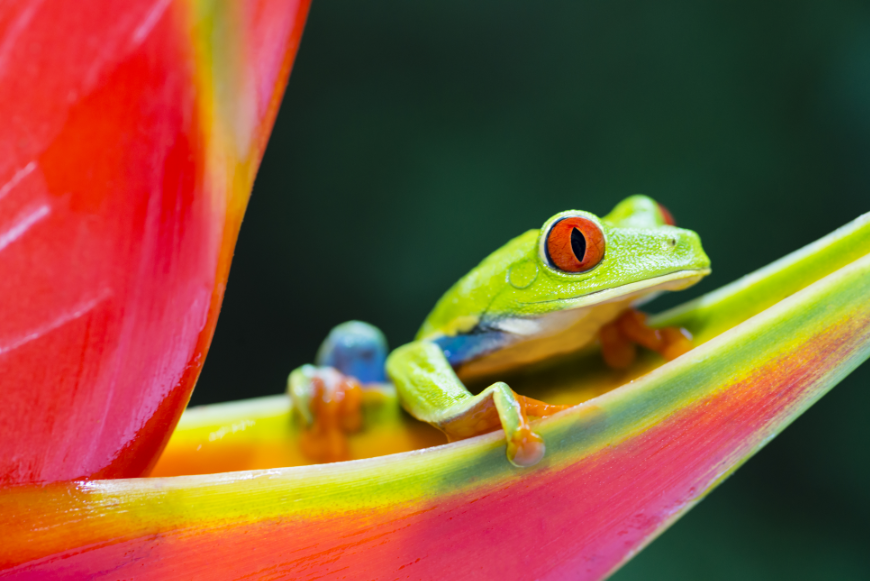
pixel 328 403
pixel 430 390
pixel 328 397
pixel 618 339
pixel 499 407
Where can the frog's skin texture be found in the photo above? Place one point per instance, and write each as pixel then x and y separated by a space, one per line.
pixel 524 303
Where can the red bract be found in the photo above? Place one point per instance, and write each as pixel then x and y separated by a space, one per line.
pixel 130 136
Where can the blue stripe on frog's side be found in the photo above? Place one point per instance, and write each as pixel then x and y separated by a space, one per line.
pixel 461 348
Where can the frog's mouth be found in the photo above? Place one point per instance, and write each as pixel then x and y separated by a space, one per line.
pixel 645 290
pixel 563 326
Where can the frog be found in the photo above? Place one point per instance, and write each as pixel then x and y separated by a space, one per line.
pixel 549 292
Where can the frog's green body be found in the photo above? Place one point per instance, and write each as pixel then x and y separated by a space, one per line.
pixel 517 307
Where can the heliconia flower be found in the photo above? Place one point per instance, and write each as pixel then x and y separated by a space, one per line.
pixel 130 136
pixel 619 468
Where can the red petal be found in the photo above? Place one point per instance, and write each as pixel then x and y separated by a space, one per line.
pixel 123 176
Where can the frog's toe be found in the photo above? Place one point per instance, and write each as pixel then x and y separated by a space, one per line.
pixel 676 341
pixel 525 448
pixel 499 407
pixel 618 352
pixel 619 337
pixel 538 408
pixel 328 403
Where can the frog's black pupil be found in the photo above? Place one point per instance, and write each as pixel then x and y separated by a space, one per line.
pixel 578 244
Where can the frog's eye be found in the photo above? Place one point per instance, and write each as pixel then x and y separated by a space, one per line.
pixel 667 216
pixel 575 244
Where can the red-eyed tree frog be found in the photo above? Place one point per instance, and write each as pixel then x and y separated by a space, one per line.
pixel 547 292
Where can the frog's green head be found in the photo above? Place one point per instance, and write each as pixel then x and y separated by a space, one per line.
pixel 575 261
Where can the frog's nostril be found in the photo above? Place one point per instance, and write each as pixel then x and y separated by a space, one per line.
pixel 672 242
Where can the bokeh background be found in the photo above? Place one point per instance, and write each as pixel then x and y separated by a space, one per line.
pixel 416 137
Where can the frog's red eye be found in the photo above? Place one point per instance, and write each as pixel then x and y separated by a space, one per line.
pixel 667 216
pixel 575 244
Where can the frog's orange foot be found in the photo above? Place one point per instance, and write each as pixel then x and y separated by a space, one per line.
pixel 524 446
pixel 335 408
pixel 618 339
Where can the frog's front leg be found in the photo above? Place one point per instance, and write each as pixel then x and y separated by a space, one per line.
pixel 328 405
pixel 430 391
pixel 618 339
pixel 327 397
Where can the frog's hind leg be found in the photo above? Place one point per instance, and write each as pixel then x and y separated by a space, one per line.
pixel 327 397
pixel 430 391
pixel 618 339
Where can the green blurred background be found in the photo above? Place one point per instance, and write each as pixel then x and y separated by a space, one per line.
pixel 416 137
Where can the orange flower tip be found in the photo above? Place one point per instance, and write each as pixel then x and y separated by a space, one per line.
pixel 526 449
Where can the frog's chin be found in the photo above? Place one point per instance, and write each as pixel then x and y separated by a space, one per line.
pixel 641 291
pixel 563 325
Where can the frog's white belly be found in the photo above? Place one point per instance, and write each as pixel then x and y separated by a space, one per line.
pixel 561 332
